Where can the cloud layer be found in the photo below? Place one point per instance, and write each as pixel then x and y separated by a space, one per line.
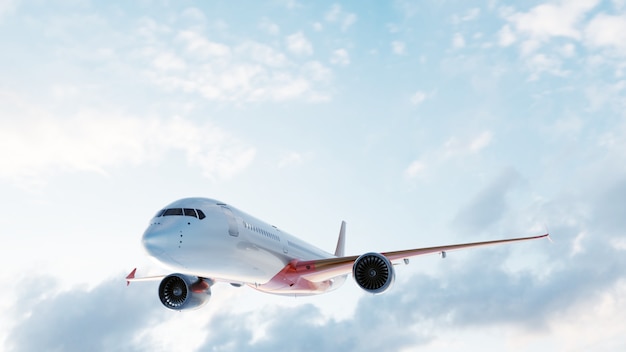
pixel 94 141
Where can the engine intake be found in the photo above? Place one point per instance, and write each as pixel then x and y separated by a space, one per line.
pixel 373 272
pixel 179 292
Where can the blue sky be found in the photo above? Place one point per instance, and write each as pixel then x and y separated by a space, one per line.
pixel 419 123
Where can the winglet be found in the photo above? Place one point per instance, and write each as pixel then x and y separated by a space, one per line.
pixel 548 233
pixel 341 242
pixel 130 276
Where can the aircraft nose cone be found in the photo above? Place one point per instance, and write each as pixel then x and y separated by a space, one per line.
pixel 161 242
pixel 154 241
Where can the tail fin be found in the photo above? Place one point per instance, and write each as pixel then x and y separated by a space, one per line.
pixel 341 242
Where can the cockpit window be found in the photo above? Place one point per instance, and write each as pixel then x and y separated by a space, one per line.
pixel 196 213
pixel 173 211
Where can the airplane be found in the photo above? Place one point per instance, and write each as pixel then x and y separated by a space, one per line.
pixel 204 241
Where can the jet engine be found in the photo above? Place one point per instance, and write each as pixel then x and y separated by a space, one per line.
pixel 178 291
pixel 373 272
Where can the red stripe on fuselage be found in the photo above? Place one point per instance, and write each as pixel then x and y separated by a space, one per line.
pixel 290 281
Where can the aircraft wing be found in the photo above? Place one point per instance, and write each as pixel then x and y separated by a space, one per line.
pixel 131 277
pixel 325 269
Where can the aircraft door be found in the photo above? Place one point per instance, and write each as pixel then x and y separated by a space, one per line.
pixel 232 222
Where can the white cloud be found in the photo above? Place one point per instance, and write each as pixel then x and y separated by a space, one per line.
pixel 194 14
pixel 7 7
pixel 619 243
pixel 150 31
pixel 95 141
pixel 298 44
pixel 269 27
pixel 98 319
pixel 506 36
pixel 570 126
pixel 471 14
pixel 340 57
pixel 198 45
pixel 348 21
pixel 480 142
pixel 168 61
pixel 317 71
pixel 619 4
pixel 393 28
pixel 318 27
pixel 336 14
pixel 283 87
pixel 418 97
pixel 490 204
pixel 291 89
pixel 535 28
pixel 453 148
pixel 601 96
pixel 333 14
pixel 553 20
pixel 540 63
pixel 568 50
pixel 249 71
pixel 595 322
pixel 577 246
pixel 529 46
pixel 261 53
pixel 65 92
pixel 291 158
pixel 398 47
pixel 414 169
pixel 291 4
pixel 607 31
pixel 457 41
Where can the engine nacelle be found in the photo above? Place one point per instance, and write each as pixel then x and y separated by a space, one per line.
pixel 373 272
pixel 178 291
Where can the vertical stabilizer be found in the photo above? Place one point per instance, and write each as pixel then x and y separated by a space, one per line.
pixel 341 242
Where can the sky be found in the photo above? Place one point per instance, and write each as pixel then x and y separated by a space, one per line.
pixel 418 123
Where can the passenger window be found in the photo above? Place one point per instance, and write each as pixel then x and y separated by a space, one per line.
pixel 173 211
pixel 190 212
pixel 200 214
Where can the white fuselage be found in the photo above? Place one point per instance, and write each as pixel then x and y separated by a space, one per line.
pixel 217 241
